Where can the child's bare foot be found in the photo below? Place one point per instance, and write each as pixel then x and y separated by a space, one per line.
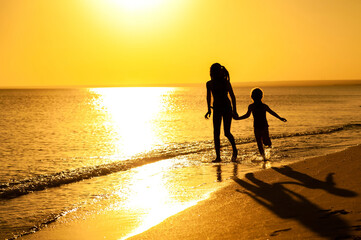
pixel 217 160
pixel 266 165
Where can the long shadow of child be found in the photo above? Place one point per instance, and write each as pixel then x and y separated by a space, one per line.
pixel 289 204
pixel 313 183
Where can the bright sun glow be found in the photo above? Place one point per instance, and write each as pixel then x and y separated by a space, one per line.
pixel 135 5
pixel 137 19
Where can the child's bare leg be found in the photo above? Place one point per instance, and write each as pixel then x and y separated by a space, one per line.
pixel 261 149
pixel 217 120
pixel 227 120
pixel 259 141
pixel 266 139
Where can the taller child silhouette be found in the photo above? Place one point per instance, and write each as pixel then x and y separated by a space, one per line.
pixel 220 87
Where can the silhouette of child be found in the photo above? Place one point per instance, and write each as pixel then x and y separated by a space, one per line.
pixel 223 109
pixel 260 124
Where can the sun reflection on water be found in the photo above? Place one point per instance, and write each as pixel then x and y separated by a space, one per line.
pixel 134 117
pixel 130 116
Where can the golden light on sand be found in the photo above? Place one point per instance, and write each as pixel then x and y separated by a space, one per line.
pixel 152 195
pixel 131 114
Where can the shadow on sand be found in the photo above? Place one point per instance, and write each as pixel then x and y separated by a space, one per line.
pixel 307 181
pixel 288 204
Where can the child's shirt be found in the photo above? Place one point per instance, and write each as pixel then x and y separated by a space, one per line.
pixel 259 115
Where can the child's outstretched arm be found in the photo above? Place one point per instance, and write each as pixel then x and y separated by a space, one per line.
pixel 245 115
pixel 276 115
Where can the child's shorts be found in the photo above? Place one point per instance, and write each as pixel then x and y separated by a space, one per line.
pixel 263 135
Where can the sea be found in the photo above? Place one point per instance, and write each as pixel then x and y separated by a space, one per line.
pixel 145 154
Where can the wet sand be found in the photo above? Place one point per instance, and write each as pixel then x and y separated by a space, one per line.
pixel 318 198
pixel 141 198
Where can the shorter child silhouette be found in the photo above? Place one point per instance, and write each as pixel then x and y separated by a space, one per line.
pixel 260 124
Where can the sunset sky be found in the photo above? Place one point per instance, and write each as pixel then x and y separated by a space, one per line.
pixel 140 42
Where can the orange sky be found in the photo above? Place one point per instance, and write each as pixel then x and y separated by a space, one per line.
pixel 112 42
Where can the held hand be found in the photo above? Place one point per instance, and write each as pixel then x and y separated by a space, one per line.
pixel 283 119
pixel 235 115
pixel 208 114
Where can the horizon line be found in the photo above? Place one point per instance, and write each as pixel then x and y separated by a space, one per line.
pixel 279 83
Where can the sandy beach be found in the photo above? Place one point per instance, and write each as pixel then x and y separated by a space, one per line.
pixel 318 198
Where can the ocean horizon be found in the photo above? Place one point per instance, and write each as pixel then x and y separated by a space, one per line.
pixel 279 83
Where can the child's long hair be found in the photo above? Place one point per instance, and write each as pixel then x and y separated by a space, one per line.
pixel 226 74
pixel 219 72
